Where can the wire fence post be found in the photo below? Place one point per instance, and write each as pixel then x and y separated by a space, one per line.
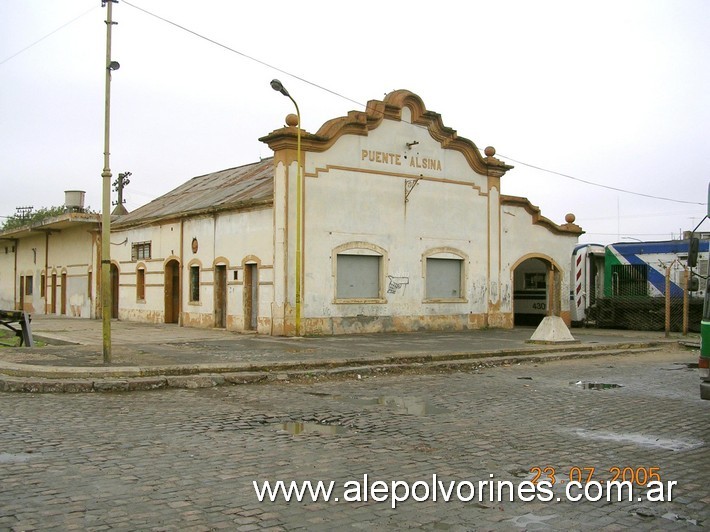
pixel 668 300
pixel 686 301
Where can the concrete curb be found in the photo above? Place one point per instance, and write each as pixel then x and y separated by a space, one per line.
pixel 57 379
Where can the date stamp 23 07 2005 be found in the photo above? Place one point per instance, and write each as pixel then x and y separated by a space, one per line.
pixel 583 484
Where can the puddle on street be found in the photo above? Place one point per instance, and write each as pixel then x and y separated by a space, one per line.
pixel 14 458
pixel 594 385
pixel 300 427
pixel 642 440
pixel 675 517
pixel 530 521
pixel 415 406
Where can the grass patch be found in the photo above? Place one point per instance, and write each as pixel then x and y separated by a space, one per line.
pixel 8 338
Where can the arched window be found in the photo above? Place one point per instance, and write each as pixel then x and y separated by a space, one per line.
pixel 359 273
pixel 194 281
pixel 445 275
pixel 140 282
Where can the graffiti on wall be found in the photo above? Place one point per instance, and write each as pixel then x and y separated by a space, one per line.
pixel 397 282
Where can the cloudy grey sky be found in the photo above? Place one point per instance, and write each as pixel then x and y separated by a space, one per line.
pixel 611 92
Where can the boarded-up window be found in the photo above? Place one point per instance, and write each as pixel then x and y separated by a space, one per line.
pixel 358 276
pixel 443 278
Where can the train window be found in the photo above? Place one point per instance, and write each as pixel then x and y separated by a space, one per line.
pixel 535 281
pixel 629 279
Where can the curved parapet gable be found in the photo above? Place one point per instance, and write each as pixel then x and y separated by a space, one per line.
pixel 569 228
pixel 362 122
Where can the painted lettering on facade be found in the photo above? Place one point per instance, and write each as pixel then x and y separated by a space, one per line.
pixel 395 159
pixel 382 157
pixel 426 163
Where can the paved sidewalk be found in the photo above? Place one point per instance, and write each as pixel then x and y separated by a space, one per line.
pixel 148 356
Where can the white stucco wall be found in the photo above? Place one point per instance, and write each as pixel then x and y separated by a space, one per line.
pixel 64 258
pixel 7 275
pixel 523 239
pixel 231 239
pixel 165 244
pixel 351 198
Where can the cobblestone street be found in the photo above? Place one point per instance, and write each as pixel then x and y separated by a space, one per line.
pixel 186 459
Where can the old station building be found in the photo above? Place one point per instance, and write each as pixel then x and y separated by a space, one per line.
pixel 392 222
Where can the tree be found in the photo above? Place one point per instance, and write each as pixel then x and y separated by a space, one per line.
pixel 31 217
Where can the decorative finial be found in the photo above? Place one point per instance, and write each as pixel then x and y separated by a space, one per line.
pixel 291 120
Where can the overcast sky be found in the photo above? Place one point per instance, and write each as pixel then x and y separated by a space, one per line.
pixel 612 92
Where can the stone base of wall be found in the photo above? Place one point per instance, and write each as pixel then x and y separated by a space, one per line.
pixel 141 316
pixel 284 325
pixel 387 324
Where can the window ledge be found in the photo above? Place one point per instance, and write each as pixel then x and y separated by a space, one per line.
pixel 361 301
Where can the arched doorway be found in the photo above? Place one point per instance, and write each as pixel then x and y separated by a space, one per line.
pixel 531 294
pixel 220 296
pixel 251 296
pixel 172 291
pixel 114 291
pixel 54 293
pixel 63 308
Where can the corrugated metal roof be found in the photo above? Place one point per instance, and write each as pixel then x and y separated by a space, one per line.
pixel 232 188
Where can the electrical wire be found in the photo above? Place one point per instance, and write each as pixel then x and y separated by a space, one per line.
pixel 251 58
pixel 364 106
pixel 48 35
pixel 599 184
pixel 268 65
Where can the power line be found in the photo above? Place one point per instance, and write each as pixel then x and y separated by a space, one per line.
pixel 363 105
pixel 268 65
pixel 599 184
pixel 48 35
pixel 627 234
pixel 251 58
pixel 647 215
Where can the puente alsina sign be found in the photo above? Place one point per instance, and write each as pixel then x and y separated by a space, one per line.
pixel 396 159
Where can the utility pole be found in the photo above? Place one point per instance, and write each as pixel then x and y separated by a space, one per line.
pixel 24 213
pixel 106 203
pixel 121 182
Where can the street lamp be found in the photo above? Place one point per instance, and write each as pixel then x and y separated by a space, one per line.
pixel 106 199
pixel 278 87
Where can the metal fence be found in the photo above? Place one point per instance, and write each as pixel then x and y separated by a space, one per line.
pixel 635 304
